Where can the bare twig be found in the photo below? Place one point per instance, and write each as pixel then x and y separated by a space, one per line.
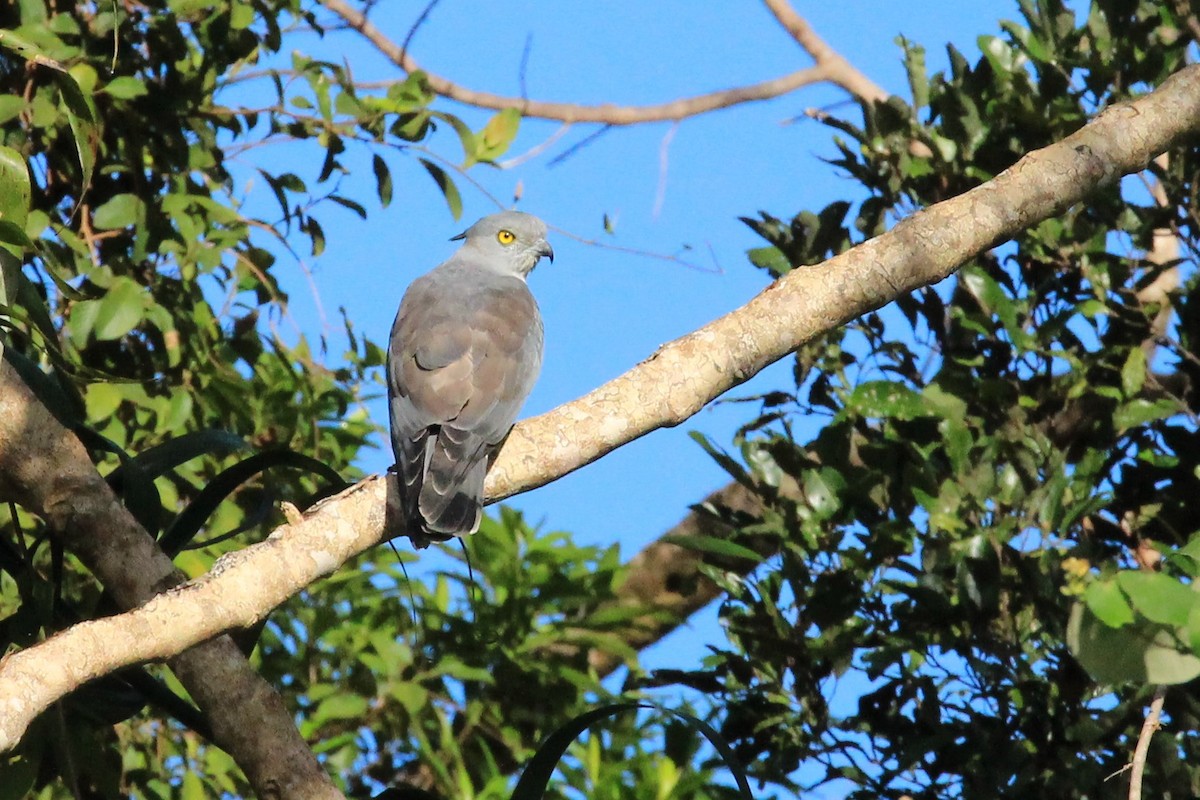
pixel 1149 726
pixel 582 143
pixel 523 69
pixel 841 72
pixel 664 161
pixel 830 67
pixel 536 150
pixel 421 19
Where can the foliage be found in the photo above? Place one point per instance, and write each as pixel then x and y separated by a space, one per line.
pixel 452 686
pixel 1000 497
pixel 143 305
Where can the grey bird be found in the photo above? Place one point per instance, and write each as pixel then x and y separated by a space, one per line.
pixel 464 353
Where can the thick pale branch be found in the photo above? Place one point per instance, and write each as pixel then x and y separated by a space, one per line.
pixel 665 390
pixel 678 380
pixel 45 468
pixel 829 68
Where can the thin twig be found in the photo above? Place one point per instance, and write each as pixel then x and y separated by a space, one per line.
pixel 830 67
pixel 664 161
pixel 425 12
pixel 523 69
pixel 1149 726
pixel 842 72
pixel 536 150
pixel 582 143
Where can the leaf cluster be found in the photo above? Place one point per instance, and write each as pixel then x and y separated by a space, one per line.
pixel 973 535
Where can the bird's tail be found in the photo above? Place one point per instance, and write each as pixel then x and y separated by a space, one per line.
pixel 451 498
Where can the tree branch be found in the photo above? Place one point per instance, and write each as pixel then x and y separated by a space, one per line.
pixel 664 390
pixel 46 469
pixel 830 67
pixel 840 71
pixel 1149 726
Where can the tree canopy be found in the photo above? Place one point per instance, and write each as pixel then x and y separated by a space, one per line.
pixel 955 559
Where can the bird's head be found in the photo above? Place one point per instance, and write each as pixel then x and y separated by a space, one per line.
pixel 513 241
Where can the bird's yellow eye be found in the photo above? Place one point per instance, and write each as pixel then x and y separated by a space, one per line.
pixel 506 237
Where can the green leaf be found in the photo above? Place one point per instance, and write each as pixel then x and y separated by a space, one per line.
pixel 34 11
pixel 10 269
pixel 340 706
pixel 1140 412
pixel 918 76
pixel 1106 600
pixel 125 88
pixel 1192 548
pixel 192 787
pixel 14 200
pixel 1192 630
pixel 498 134
pixel 121 211
pixel 886 399
pixel 726 462
pixel 161 459
pixel 470 142
pixel 412 696
pixel 27 49
pixel 822 491
pixel 536 777
pixel 11 107
pixel 771 259
pixel 102 400
pixel 189 522
pixel 242 16
pixel 1158 597
pixel 17 778
pixel 712 545
pixel 383 180
pixel 449 190
pixel 120 310
pixel 1141 653
pixel 14 211
pixel 1133 373
pixel 14 241
pixel 84 127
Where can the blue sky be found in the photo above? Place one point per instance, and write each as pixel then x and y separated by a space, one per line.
pixel 665 187
pixel 605 310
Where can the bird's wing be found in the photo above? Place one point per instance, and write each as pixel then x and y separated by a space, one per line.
pixel 465 351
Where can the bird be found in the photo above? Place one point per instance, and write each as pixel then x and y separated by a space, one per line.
pixel 464 353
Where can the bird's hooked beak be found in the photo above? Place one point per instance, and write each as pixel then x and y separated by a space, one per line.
pixel 545 251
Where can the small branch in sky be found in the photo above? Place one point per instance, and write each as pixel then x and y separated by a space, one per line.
pixel 536 150
pixel 523 69
pixel 582 143
pixel 841 71
pixel 425 12
pixel 664 161
pixel 830 67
